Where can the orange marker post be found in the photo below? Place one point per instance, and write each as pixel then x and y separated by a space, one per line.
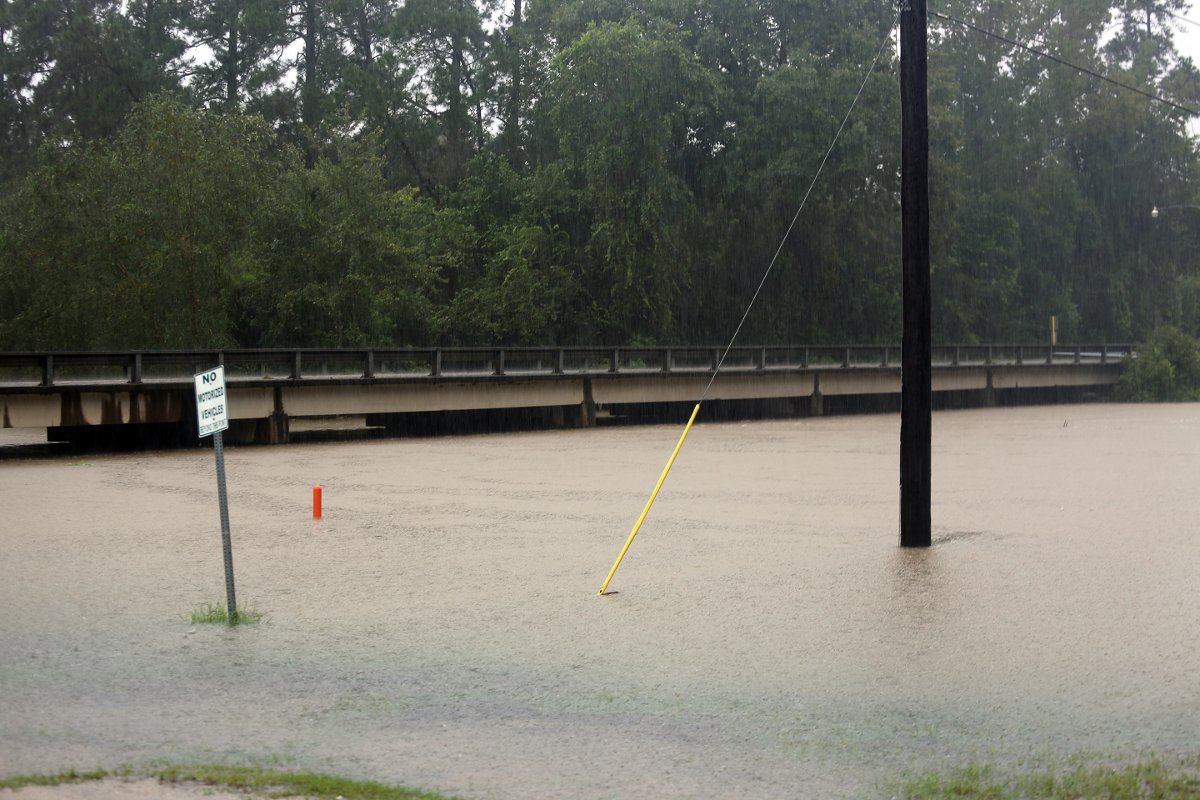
pixel 316 502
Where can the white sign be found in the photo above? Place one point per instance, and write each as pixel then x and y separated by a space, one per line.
pixel 212 411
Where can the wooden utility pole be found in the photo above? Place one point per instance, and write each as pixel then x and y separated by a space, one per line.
pixel 916 393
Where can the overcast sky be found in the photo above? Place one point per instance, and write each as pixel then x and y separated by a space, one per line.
pixel 1188 37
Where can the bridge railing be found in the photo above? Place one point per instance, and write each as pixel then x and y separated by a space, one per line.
pixel 304 364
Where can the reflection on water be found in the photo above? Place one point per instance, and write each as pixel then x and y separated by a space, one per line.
pixel 919 598
pixel 440 626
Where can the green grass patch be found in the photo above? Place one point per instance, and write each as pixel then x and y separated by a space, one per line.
pixel 1147 780
pixel 252 780
pixel 285 784
pixel 71 776
pixel 216 613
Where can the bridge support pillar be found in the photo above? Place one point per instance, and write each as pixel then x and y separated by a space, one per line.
pixel 587 414
pixel 271 429
pixel 989 392
pixel 274 429
pixel 266 430
pixel 587 409
pixel 816 402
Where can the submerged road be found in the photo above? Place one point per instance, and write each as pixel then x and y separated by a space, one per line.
pixel 440 627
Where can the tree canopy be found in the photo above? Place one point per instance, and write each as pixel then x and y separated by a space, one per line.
pixel 395 172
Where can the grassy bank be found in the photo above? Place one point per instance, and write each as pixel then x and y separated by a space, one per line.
pixel 251 780
pixel 1145 780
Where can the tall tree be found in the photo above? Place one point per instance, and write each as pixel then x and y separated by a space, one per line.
pixel 26 30
pixel 446 45
pixel 346 261
pixel 245 40
pixel 70 71
pixel 511 52
pixel 632 111
pixel 138 242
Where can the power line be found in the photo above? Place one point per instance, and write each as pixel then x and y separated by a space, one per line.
pixel 1159 98
pixel 637 526
pixel 883 45
pixel 1179 17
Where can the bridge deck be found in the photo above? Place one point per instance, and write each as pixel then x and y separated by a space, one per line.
pixel 266 387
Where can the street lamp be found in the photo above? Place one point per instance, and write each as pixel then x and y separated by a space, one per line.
pixel 1154 212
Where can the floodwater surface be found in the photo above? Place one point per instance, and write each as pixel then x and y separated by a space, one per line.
pixel 768 638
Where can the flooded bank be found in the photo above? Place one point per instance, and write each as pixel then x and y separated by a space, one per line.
pixel 440 626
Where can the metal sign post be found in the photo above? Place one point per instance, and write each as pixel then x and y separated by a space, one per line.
pixel 212 417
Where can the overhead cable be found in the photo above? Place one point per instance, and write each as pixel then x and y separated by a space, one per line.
pixel 1156 97
pixel 1178 17
pixel 787 234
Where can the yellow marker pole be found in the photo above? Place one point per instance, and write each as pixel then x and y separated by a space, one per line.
pixel 653 495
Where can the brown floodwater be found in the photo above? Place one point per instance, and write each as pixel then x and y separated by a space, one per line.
pixel 440 626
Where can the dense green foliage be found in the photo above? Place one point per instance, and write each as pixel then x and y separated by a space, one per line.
pixel 1167 369
pixel 392 172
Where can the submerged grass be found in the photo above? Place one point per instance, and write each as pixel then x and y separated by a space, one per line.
pixel 276 783
pixel 216 613
pixel 252 780
pixel 1145 780
pixel 70 776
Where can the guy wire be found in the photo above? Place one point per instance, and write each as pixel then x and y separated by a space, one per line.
pixel 637 526
pixel 886 39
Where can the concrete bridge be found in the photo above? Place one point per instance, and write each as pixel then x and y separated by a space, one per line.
pixel 76 395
